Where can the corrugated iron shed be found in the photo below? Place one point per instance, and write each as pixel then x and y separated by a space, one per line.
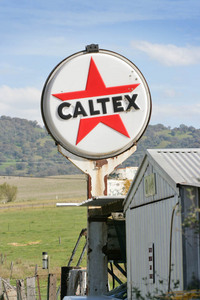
pixel 178 167
pixel 165 189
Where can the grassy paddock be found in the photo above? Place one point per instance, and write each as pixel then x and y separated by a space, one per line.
pixel 48 189
pixel 26 233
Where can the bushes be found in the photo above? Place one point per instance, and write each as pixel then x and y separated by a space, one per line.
pixel 8 192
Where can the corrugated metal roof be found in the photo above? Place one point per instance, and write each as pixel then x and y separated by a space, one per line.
pixel 182 165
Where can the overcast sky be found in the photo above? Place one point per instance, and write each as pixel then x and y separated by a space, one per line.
pixel 162 37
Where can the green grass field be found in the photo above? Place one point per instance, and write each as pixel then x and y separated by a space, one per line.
pixel 27 232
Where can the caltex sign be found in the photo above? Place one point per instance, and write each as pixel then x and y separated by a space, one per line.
pixel 96 104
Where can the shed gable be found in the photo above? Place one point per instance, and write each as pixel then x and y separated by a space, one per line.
pixel 154 185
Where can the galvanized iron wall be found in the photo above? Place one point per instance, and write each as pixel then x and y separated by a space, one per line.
pixel 148 222
pixel 151 224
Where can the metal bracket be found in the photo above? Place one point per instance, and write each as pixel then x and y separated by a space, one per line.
pixel 92 48
pixel 97 170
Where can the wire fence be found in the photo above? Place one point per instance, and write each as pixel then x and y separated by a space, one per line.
pixel 38 287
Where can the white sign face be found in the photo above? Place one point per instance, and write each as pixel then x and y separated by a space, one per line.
pixel 96 105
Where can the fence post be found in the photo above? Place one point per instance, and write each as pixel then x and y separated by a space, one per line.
pixel 2 258
pixel 77 283
pixel 1 288
pixel 51 291
pixel 21 295
pixel 11 269
pixel 30 283
pixel 71 279
pixel 64 281
pixel 38 287
pixel 5 291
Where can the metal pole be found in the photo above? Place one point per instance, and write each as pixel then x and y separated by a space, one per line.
pixel 97 171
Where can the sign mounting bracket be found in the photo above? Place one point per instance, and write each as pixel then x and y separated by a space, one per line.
pixel 97 170
pixel 92 48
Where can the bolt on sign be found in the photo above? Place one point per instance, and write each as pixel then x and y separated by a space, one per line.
pixel 96 104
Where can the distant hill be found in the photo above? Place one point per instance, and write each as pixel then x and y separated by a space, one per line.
pixel 159 136
pixel 26 149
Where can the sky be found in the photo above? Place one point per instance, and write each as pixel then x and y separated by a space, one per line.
pixel 161 37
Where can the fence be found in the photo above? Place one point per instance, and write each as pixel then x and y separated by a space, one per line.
pixel 22 291
pixel 73 282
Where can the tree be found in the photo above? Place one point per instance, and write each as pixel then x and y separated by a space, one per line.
pixel 8 192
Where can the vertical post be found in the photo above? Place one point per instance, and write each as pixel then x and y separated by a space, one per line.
pixel 49 264
pixel 21 295
pixel 97 264
pixel 1 288
pixel 2 258
pixel 30 283
pixel 64 281
pixel 51 287
pixel 36 270
pixel 38 287
pixel 77 283
pixel 5 288
pixel 83 282
pixel 72 283
pixel 11 269
pixel 97 282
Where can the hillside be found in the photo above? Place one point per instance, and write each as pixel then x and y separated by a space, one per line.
pixel 26 149
pixel 159 136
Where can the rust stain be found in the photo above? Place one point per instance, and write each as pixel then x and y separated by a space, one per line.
pixel 106 185
pixel 89 187
pixel 101 162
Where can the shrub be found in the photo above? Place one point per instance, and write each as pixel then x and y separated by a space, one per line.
pixel 8 192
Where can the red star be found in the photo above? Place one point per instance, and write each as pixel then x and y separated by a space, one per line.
pixel 114 121
pixel 95 87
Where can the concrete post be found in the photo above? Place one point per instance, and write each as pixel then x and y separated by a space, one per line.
pixel 97 264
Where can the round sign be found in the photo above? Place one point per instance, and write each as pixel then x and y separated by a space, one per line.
pixel 96 105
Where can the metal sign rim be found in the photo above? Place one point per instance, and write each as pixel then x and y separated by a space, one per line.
pixel 110 155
